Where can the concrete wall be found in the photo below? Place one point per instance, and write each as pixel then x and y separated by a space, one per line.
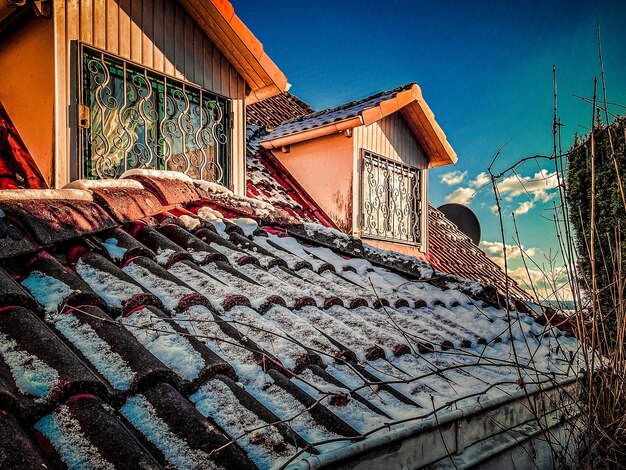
pixel 506 432
pixel 27 88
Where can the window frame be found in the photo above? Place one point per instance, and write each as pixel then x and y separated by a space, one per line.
pixel 223 155
pixel 370 230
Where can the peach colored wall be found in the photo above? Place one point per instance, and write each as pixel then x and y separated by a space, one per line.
pixel 27 88
pixel 324 167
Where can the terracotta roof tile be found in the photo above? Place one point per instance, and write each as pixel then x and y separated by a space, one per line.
pixel 450 250
pixel 272 112
pixel 206 329
pixel 290 125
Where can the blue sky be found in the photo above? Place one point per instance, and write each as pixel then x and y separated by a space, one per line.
pixel 485 68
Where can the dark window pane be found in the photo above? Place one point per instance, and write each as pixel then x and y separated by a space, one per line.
pixel 390 199
pixel 142 119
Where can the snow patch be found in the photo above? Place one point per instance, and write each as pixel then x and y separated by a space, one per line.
pixel 210 214
pixel 67 437
pixel 31 375
pixel 189 222
pixel 48 291
pixel 97 351
pixel 116 252
pixel 111 288
pixel 211 187
pixel 247 225
pixel 48 194
pixel 158 174
pixel 341 240
pixel 103 184
pixel 217 401
pixel 173 349
pixel 142 415
pixel 168 292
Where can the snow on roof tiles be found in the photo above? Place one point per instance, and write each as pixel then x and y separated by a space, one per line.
pixel 450 250
pixel 170 336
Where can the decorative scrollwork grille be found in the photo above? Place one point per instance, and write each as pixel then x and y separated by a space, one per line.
pixel 390 199
pixel 138 118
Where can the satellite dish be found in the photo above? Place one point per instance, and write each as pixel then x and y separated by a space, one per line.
pixel 464 218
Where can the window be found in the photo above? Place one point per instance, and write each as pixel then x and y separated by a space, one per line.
pixel 390 199
pixel 132 117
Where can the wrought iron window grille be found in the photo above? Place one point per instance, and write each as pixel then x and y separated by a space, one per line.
pixel 133 117
pixel 390 199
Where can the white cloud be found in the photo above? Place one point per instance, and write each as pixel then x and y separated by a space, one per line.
pixel 481 180
pixel 537 186
pixel 461 196
pixel 524 207
pixel 464 195
pixel 494 209
pixel 452 178
pixel 496 253
pixel 549 284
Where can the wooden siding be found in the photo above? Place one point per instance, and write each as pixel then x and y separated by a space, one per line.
pixel 158 34
pixel 390 137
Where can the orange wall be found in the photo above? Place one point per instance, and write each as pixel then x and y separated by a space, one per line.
pixel 27 88
pixel 324 168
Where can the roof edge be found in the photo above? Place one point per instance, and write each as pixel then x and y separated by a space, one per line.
pixel 255 66
pixel 371 445
pixel 415 111
pixel 309 134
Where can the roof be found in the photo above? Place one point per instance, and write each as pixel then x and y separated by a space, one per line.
pixel 269 181
pixel 242 49
pixel 164 322
pixel 452 251
pixel 449 249
pixel 271 112
pixel 17 167
pixel 406 99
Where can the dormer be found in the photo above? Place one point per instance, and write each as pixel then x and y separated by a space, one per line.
pixel 99 87
pixel 366 164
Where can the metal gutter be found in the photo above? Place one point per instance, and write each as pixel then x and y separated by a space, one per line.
pixel 421 443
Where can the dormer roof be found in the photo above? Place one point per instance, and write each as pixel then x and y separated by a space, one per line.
pixel 407 100
pixel 244 51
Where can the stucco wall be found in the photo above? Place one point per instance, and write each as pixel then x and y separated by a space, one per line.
pixel 399 248
pixel 324 167
pixel 27 88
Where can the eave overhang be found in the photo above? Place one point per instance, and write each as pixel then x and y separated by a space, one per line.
pixel 242 49
pixel 416 112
